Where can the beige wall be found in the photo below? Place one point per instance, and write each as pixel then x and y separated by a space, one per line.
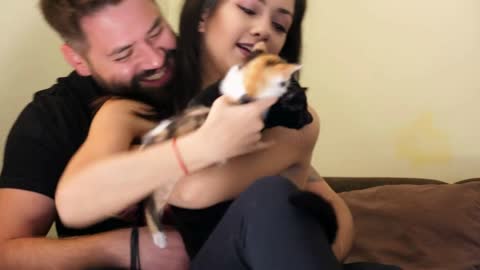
pixel 29 60
pixel 395 82
pixel 397 86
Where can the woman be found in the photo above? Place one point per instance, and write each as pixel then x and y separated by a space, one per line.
pixel 225 29
pixel 278 24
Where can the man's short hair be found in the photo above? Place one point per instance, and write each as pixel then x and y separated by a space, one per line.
pixel 64 17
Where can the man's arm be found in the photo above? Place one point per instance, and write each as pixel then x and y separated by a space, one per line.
pixel 25 218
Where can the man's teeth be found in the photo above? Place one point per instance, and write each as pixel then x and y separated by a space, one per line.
pixel 156 76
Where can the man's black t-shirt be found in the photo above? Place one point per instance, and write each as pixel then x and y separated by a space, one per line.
pixel 44 138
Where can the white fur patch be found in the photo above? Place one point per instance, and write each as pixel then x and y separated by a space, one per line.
pixel 274 89
pixel 160 239
pixel 232 85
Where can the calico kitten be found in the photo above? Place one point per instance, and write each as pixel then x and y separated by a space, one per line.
pixel 263 75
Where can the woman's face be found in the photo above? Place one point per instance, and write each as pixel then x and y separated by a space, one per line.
pixel 235 26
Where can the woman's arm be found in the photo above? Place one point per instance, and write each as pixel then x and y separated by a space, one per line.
pixel 290 156
pixel 105 172
pixel 346 232
pixel 104 177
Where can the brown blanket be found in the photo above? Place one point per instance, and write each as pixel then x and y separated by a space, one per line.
pixel 417 226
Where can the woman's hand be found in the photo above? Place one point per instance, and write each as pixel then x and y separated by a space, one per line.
pixel 232 130
pixel 345 234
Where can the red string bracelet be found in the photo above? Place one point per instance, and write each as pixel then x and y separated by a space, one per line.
pixel 180 161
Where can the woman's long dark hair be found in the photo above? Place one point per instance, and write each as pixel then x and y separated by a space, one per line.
pixel 188 80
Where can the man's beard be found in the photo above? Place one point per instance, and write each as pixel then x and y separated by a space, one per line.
pixel 160 98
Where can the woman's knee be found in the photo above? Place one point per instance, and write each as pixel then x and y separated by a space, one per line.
pixel 268 191
pixel 271 185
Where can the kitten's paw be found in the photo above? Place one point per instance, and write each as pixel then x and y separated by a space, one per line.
pixel 318 207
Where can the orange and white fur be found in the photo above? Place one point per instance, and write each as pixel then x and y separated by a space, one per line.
pixel 265 75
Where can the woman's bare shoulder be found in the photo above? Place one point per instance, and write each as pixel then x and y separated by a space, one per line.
pixel 121 116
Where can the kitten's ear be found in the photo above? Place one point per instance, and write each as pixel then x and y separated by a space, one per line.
pixel 291 69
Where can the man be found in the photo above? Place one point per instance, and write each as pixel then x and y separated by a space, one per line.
pixel 131 53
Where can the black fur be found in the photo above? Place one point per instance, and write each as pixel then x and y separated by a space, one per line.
pixel 289 111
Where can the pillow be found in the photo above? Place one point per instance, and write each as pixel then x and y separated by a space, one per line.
pixel 417 226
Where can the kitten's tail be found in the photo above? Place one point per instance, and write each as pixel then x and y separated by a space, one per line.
pixel 152 218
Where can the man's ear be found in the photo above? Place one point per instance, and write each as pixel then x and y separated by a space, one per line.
pixel 75 60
